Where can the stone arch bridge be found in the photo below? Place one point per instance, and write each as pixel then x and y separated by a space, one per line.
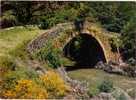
pixel 62 34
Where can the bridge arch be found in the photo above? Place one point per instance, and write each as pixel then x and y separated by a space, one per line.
pixel 85 50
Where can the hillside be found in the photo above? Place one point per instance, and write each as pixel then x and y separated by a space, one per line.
pixel 13 41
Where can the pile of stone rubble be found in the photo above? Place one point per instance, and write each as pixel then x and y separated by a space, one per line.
pixel 122 69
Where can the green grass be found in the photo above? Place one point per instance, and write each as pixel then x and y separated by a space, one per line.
pixel 13 42
pixel 94 77
pixel 10 38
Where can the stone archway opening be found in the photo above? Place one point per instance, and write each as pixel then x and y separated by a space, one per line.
pixel 84 50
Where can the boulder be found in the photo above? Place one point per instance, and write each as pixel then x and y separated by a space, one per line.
pixel 110 67
pixel 100 65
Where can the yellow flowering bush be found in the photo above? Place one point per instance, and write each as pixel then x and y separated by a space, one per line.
pixel 54 84
pixel 8 94
pixel 26 89
pixel 49 85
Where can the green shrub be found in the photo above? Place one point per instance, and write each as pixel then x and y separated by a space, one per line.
pixel 48 21
pixel 65 61
pixel 50 55
pixel 59 16
pixel 106 86
pixel 21 73
pixel 8 19
pixel 122 97
pixel 43 24
pixel 93 91
pixel 132 93
pixel 53 60
pixel 66 15
pixel 78 42
pixel 8 82
pixel 132 62
pixel 7 63
pixel 129 39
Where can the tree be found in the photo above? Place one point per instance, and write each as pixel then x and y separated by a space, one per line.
pixel 117 42
pixel 129 38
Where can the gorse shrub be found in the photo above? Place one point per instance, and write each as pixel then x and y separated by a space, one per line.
pixel 54 84
pixel 10 78
pixel 25 89
pixel 49 85
pixel 29 90
pixel 106 86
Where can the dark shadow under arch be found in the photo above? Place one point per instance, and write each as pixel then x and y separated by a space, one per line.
pixel 85 50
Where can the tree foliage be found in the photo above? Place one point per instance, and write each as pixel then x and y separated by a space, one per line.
pixel 129 39
pixel 114 16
